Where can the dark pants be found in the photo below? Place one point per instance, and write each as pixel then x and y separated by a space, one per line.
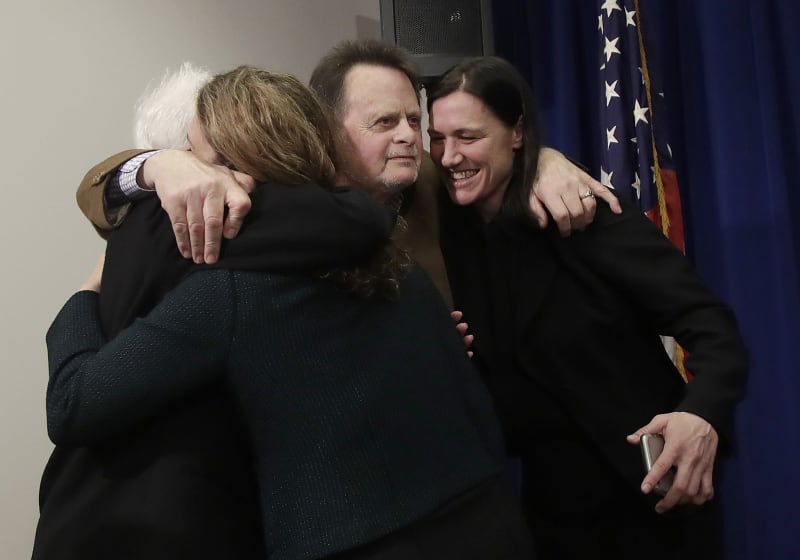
pixel 484 523
pixel 578 507
pixel 180 487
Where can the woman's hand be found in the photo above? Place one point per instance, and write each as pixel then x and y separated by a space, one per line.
pixel 690 445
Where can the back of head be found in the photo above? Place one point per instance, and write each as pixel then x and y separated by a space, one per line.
pixel 506 93
pixel 164 111
pixel 269 126
pixel 273 128
pixel 329 75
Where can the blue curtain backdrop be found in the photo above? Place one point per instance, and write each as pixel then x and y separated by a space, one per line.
pixel 732 82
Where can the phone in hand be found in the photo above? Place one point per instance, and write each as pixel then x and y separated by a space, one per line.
pixel 652 445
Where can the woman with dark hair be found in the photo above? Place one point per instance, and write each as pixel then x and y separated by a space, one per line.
pixel 567 339
pixel 372 436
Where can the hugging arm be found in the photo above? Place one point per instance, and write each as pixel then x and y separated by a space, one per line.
pixel 194 194
pixel 337 226
pixel 99 388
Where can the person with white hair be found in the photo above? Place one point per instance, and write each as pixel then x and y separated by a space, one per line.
pixel 164 111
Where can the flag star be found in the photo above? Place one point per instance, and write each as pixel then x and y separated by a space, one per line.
pixel 605 178
pixel 661 93
pixel 600 23
pixel 603 67
pixel 611 48
pixel 610 138
pixel 669 149
pixel 629 17
pixel 639 113
pixel 640 72
pixel 611 91
pixel 637 186
pixel 634 140
pixel 609 6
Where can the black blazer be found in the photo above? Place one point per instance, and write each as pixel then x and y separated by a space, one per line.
pixel 581 317
pixel 182 485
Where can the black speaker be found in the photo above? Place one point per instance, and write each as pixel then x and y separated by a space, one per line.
pixel 438 33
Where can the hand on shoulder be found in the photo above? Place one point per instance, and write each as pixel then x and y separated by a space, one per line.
pixel 567 192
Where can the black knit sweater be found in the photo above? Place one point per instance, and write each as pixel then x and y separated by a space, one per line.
pixel 364 415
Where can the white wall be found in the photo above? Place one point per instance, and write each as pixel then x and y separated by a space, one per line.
pixel 71 72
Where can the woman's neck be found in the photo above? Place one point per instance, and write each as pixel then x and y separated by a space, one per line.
pixel 490 207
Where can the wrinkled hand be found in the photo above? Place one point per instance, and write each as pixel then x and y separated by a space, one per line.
pixel 559 186
pixel 195 195
pixel 462 329
pixel 690 444
pixel 93 281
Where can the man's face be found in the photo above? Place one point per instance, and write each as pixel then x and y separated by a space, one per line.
pixel 380 141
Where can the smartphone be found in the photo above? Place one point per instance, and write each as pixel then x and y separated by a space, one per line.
pixel 652 446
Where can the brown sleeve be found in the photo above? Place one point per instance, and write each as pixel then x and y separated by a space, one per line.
pixel 91 191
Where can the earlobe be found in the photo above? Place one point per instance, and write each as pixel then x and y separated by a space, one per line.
pixel 517 135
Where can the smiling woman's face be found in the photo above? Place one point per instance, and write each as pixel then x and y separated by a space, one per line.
pixel 473 150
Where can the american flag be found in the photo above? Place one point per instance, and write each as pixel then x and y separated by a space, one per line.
pixel 637 158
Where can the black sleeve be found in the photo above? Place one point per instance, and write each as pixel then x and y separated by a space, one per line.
pixel 634 256
pixel 99 388
pixel 306 227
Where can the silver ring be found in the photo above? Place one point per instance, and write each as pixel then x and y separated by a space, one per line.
pixel 587 194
